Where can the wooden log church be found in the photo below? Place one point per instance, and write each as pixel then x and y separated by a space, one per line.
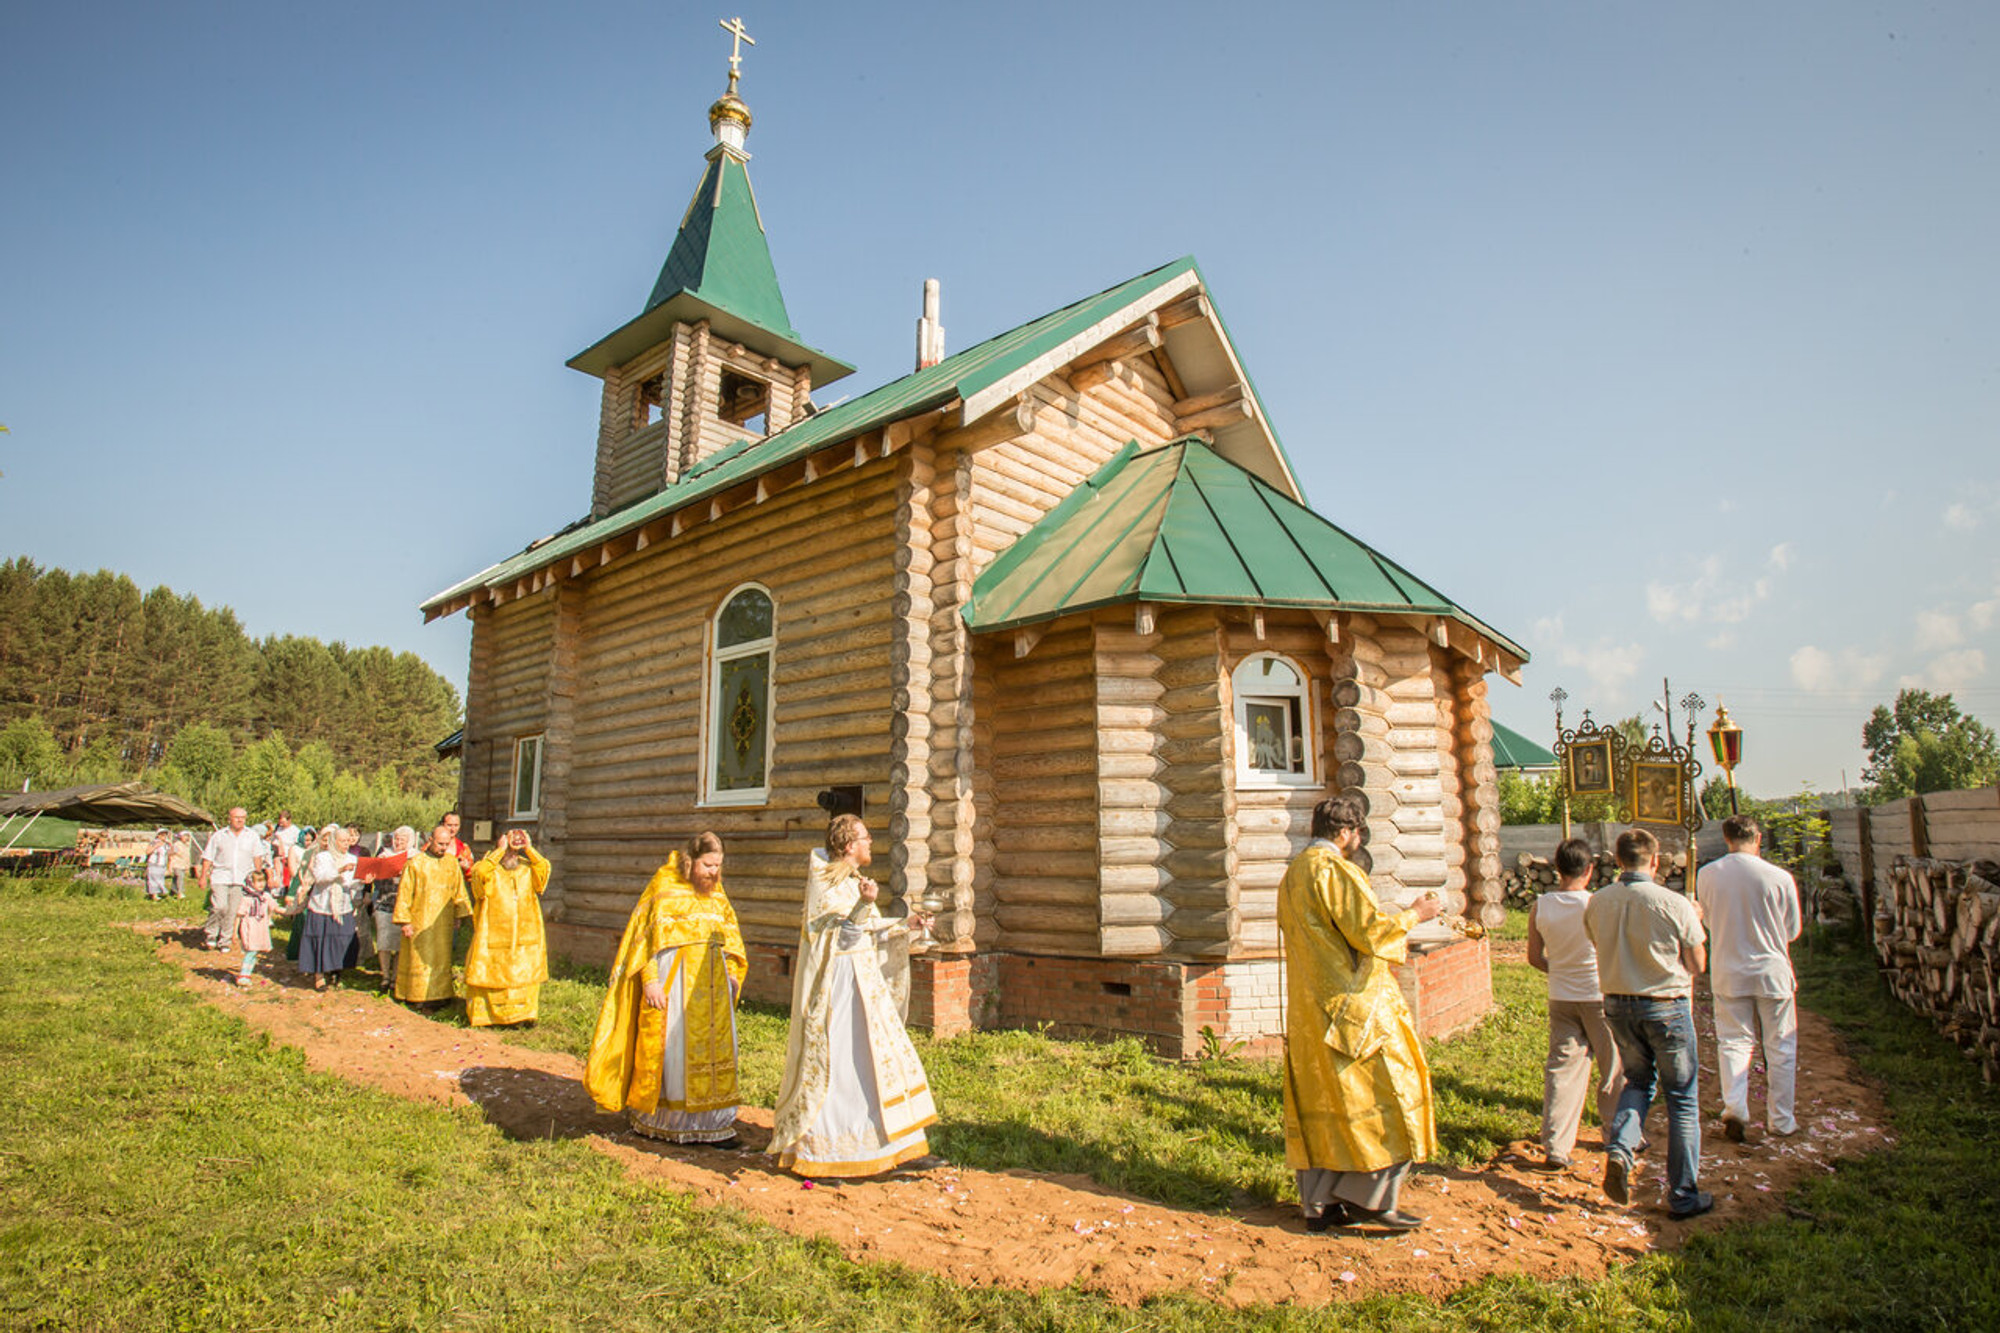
pixel 1052 610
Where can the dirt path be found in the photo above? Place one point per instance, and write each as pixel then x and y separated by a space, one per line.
pixel 1021 1229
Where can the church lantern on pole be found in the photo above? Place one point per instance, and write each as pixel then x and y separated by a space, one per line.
pixel 1726 739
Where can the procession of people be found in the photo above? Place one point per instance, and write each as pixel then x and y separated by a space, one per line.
pixel 854 1101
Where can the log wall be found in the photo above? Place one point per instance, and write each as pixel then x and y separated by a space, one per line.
pixel 1133 801
pixel 1044 807
pixel 1075 432
pixel 1273 824
pixel 1387 742
pixel 506 697
pixel 826 553
pixel 1476 824
pixel 1195 750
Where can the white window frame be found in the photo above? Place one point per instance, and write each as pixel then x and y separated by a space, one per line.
pixel 1249 685
pixel 712 698
pixel 534 810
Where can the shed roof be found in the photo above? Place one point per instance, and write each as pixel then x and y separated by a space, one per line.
pixel 1181 524
pixel 980 378
pixel 1513 750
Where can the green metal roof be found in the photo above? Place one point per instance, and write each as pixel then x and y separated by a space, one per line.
pixel 1181 524
pixel 960 377
pixel 1513 750
pixel 718 269
pixel 720 252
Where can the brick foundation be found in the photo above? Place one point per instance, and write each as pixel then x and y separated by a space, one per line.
pixel 1449 986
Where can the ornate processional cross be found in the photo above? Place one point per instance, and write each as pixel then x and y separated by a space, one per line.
pixel 734 27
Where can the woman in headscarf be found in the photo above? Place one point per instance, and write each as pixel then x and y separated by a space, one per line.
pixel 328 943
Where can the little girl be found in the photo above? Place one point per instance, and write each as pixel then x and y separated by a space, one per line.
pixel 253 924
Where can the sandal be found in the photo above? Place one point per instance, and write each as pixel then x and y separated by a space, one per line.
pixel 243 983
pixel 319 981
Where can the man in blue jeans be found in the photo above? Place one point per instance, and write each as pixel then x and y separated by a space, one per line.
pixel 1650 944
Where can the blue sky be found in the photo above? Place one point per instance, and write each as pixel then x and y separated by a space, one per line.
pixel 1662 337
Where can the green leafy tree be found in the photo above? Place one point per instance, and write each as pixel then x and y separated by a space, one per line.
pixel 1925 744
pixel 1715 798
pixel 202 752
pixel 29 754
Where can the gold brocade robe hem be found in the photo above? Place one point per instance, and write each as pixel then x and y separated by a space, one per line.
pixel 1357 1087
pixel 628 1049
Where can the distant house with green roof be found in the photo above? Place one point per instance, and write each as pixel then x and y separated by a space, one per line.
pixel 1051 612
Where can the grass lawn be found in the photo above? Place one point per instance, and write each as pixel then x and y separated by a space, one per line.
pixel 161 1167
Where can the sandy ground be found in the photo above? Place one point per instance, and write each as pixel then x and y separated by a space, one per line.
pixel 1027 1230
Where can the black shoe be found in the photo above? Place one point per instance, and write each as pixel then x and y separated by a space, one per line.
pixel 1732 1129
pixel 1336 1215
pixel 1702 1203
pixel 1390 1220
pixel 730 1144
pixel 1617 1187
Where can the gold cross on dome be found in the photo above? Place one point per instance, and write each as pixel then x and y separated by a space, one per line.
pixel 734 27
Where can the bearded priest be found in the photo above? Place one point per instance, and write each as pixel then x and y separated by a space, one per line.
pixel 430 898
pixel 1357 1090
pixel 664 1051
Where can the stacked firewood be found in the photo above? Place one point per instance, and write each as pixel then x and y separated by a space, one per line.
pixel 1937 932
pixel 1531 876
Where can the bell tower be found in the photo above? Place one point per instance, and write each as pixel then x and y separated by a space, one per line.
pixel 712 359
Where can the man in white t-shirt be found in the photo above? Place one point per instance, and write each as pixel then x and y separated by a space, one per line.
pixel 1578 1035
pixel 227 862
pixel 1752 908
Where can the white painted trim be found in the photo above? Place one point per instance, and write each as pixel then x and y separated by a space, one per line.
pixel 1049 362
pixel 1243 693
pixel 707 795
pixel 514 777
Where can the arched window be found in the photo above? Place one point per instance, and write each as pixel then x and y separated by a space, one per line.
pixel 1274 723
pixel 739 699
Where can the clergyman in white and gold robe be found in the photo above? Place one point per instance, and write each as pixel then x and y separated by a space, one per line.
pixel 855 1100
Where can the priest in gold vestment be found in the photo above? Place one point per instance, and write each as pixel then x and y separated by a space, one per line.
pixel 855 1099
pixel 664 1050
pixel 509 957
pixel 1357 1089
pixel 430 898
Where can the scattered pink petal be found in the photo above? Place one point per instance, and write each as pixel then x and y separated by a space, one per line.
pixel 1347 1276
pixel 805 1184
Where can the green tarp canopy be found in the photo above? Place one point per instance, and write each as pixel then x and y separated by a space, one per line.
pixel 108 805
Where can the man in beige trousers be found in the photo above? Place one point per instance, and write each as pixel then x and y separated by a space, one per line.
pixel 1578 1035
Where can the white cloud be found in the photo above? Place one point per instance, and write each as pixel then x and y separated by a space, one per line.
pixel 1726 639
pixel 1821 672
pixel 1961 517
pixel 1949 672
pixel 1606 665
pixel 1983 615
pixel 1937 629
pixel 1711 597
